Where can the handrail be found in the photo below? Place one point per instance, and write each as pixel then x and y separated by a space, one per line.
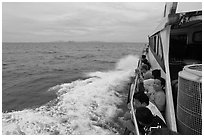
pixel 131 103
pixel 132 108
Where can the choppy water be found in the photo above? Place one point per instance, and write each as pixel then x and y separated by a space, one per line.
pixel 65 88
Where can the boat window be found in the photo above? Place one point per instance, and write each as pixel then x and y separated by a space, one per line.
pixel 197 36
pixel 159 49
pixel 156 49
pixel 178 45
pixel 151 42
pixel 155 44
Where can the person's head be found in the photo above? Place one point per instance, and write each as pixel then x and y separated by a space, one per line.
pixel 140 100
pixel 163 131
pixel 144 68
pixel 143 56
pixel 157 85
pixel 145 61
pixel 156 73
pixel 144 116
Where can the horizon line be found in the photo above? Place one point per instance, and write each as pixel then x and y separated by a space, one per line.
pixel 71 41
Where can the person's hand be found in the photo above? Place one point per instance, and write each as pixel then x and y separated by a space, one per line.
pixel 140 79
pixel 129 125
pixel 129 106
pixel 121 119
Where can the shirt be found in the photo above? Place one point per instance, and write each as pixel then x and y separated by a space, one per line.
pixel 155 111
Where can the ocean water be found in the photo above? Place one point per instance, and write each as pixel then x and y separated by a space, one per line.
pixel 66 87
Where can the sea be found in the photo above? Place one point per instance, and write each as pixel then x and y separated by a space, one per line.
pixel 66 88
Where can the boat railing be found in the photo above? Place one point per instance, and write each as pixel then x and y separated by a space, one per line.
pixel 131 101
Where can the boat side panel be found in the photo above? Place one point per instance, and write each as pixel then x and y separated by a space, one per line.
pixel 169 113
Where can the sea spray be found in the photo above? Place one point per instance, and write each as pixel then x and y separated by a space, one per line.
pixel 129 62
pixel 82 106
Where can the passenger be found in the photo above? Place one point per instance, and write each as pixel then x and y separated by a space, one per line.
pixel 148 84
pixel 146 74
pixel 145 61
pixel 156 73
pixel 141 100
pixel 140 85
pixel 143 58
pixel 147 122
pixel 163 131
pixel 158 97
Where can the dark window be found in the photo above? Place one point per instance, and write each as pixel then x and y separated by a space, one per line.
pixel 155 44
pixel 178 44
pixel 157 49
pixel 160 49
pixel 151 42
pixel 197 36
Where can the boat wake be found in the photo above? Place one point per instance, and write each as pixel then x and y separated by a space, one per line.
pixel 82 107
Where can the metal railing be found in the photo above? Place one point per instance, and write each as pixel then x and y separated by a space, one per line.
pixel 132 108
pixel 131 101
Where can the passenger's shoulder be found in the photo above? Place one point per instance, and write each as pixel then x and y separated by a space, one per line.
pixel 160 93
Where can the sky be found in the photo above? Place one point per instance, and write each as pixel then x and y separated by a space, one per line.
pixel 69 21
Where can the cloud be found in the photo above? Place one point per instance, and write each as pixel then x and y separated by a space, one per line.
pixel 79 21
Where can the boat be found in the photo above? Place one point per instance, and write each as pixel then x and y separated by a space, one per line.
pixel 175 47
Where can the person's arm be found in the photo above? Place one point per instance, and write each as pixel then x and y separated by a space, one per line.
pixel 159 100
pixel 127 116
pixel 152 97
pixel 129 125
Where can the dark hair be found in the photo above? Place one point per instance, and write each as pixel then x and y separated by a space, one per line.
pixel 144 115
pixel 163 131
pixel 142 97
pixel 144 66
pixel 145 61
pixel 162 81
pixel 141 88
pixel 156 73
pixel 143 56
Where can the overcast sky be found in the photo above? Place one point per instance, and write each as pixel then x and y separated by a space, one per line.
pixel 114 22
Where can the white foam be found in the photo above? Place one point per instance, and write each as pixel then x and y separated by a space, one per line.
pixel 82 107
pixel 128 62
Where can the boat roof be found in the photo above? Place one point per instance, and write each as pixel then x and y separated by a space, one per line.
pixel 189 17
pixel 188 6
